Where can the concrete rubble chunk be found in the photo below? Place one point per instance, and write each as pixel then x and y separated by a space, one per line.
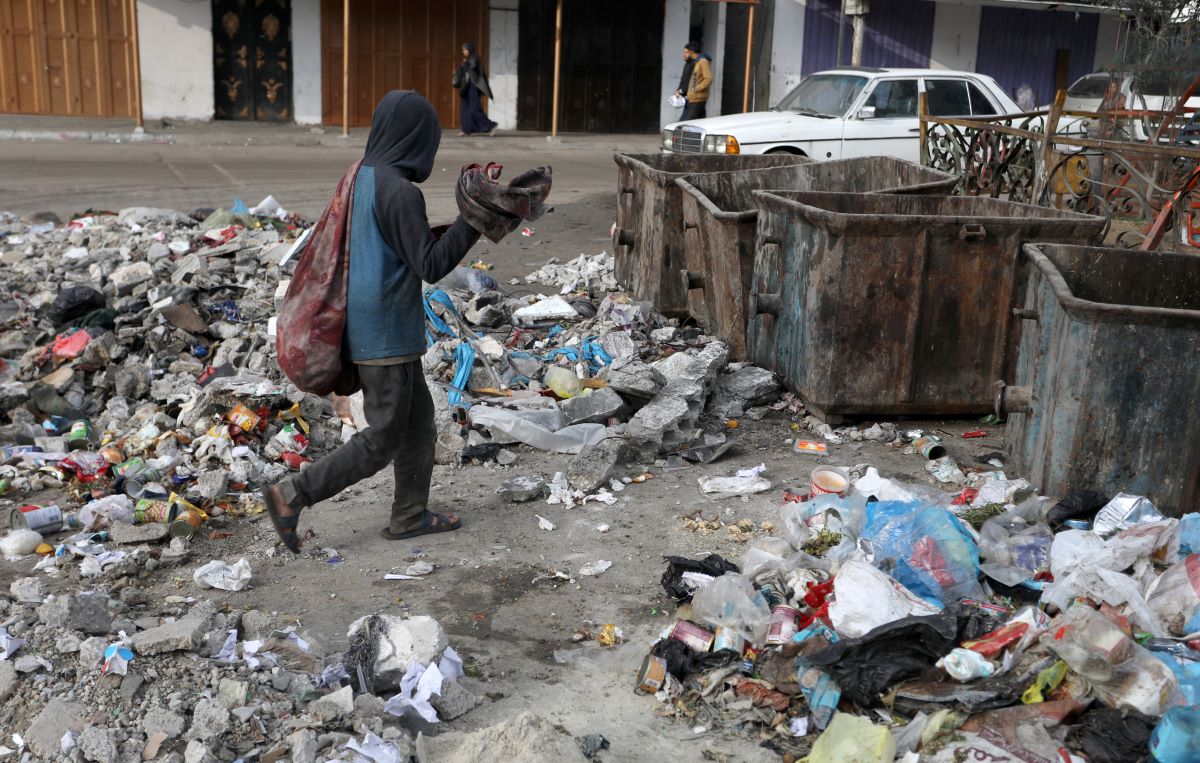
pixel 620 347
pixel 528 738
pixel 368 706
pixel 522 488
pixel 454 701
pixel 27 663
pixel 183 634
pixel 333 706
pixel 667 421
pixel 304 746
pixel 153 216
pixel 592 468
pixel 98 744
pixel 212 484
pixel 91 652
pixel 636 380
pixel 197 752
pixel 743 389
pixel 160 719
pixel 8 680
pixel 126 279
pixel 185 316
pixel 596 407
pixel 209 720
pixel 86 612
pixel 256 624
pixel 44 735
pixel 401 642
pixel 125 534
pixel 232 693
pixel 28 590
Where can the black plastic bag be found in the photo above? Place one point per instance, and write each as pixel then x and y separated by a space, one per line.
pixel 1110 736
pixel 682 661
pixel 1081 504
pixel 866 666
pixel 672 580
pixel 73 302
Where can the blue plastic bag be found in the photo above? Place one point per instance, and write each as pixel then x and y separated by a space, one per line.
pixel 926 549
pixel 1176 738
pixel 1189 535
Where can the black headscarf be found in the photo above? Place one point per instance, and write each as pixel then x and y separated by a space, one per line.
pixel 405 135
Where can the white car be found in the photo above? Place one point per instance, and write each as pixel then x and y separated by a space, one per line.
pixel 844 113
pixel 1087 94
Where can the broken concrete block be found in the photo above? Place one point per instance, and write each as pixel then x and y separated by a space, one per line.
pixel 593 467
pixel 636 380
pixel 522 488
pixel 667 421
pixel 85 612
pixel 158 719
pixel 153 216
pixel 27 663
pixel 28 590
pixel 209 720
pixel 304 746
pixel 675 365
pixel 44 736
pixel 8 680
pixel 596 407
pixel 401 642
pixel 126 279
pixel 232 693
pixel 333 706
pixel 743 389
pixel 184 634
pixel 91 652
pixel 186 317
pixel 122 533
pixel 620 347
pixel 528 738
pixel 212 484
pixel 98 744
pixel 453 702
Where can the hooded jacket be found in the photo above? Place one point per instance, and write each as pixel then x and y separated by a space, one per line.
pixel 470 72
pixel 701 79
pixel 392 248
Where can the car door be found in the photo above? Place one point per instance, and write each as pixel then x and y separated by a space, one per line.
pixel 886 123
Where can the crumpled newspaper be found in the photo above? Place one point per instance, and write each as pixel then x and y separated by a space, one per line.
pixel 420 683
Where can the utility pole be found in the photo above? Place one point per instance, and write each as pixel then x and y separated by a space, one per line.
pixel 858 10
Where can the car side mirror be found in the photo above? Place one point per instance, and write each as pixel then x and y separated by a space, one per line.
pixel 866 112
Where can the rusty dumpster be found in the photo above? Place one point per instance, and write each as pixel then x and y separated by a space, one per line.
pixel 893 304
pixel 648 235
pixel 720 220
pixel 1106 390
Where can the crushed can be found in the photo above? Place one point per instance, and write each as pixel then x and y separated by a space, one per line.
pixel 150 511
pixel 186 524
pixel 727 638
pixel 79 437
pixel 930 446
pixel 112 454
pixel 652 676
pixel 785 623
pixel 697 638
pixel 43 520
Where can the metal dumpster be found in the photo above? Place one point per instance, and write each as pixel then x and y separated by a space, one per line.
pixel 647 239
pixel 893 304
pixel 720 220
pixel 1106 389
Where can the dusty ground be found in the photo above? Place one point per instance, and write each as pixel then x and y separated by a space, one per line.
pixel 482 589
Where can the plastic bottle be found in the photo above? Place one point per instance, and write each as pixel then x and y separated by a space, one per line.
pixel 1176 738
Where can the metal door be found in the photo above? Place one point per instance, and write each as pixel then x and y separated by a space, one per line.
pixel 252 51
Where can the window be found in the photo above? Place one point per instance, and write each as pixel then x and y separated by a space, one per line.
pixel 894 98
pixel 948 98
pixel 824 94
pixel 981 105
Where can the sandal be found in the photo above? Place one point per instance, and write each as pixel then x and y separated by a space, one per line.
pixel 285 525
pixel 431 523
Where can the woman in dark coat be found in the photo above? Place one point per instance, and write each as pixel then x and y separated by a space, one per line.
pixel 472 86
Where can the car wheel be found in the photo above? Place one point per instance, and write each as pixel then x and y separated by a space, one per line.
pixel 787 150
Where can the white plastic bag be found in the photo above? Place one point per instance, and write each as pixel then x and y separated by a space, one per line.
pixel 19 543
pixel 570 440
pixel 732 602
pixel 865 598
pixel 227 577
pixel 677 101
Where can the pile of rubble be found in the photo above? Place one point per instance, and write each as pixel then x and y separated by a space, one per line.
pixel 885 620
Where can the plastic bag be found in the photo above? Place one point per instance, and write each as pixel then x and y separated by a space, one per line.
pixel 732 602
pixel 227 577
pixel 683 576
pixel 102 513
pixel 853 739
pixel 676 101
pixel 1122 673
pixel 745 482
pixel 562 381
pixel 1106 587
pixel 1124 511
pixel 570 440
pixel 1189 534
pixel 1081 504
pixel 1175 597
pixel 1176 738
pixel 866 598
pixel 19 543
pixel 928 549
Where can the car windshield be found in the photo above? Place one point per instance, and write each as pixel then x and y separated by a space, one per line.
pixel 823 94
pixel 1090 86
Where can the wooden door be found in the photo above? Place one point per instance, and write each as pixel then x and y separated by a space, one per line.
pixel 398 45
pixel 66 58
pixel 252 53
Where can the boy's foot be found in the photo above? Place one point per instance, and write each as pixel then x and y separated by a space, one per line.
pixel 283 517
pixel 431 523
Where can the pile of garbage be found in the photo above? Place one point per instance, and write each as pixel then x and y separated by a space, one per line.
pixel 889 621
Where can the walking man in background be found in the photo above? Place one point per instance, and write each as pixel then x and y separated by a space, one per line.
pixel 699 84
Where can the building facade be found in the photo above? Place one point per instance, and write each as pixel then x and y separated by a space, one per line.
pixel 282 60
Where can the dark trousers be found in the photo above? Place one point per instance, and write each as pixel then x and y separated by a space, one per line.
pixel 400 414
pixel 694 111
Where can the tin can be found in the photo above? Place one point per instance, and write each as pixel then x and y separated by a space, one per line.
pixel 930 446
pixel 242 417
pixel 829 480
pixel 149 511
pixel 697 638
pixel 112 454
pixel 652 675
pixel 41 519
pixel 727 638
pixel 80 435
pixel 785 623
pixel 1077 524
pixel 185 524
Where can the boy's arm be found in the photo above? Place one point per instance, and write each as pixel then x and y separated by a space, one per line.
pixel 430 256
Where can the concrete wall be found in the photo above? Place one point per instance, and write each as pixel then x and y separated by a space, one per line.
pixel 955 36
pixel 714 43
pixel 176 46
pixel 677 17
pixel 1106 41
pixel 503 44
pixel 306 61
pixel 787 45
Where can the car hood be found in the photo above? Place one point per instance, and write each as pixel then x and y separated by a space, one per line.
pixel 766 125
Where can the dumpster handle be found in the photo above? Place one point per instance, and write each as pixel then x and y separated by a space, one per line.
pixel 764 303
pixel 972 232
pixel 1024 313
pixel 1012 399
pixel 622 237
pixel 690 226
pixel 691 280
pixel 776 240
pixel 627 189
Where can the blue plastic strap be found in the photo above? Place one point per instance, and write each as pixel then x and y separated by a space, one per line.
pixel 464 357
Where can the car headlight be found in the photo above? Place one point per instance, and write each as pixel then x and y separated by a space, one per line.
pixel 666 139
pixel 721 144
